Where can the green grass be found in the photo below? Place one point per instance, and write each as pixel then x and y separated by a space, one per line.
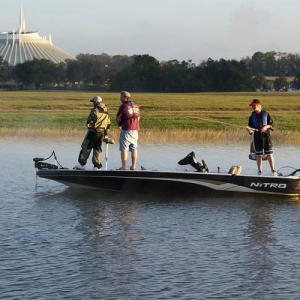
pixel 45 120
pixel 66 110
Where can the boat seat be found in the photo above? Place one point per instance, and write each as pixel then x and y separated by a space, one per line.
pixel 252 153
pixel 235 170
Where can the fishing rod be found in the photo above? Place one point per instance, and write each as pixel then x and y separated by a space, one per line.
pixel 250 129
pixel 230 124
pixel 226 123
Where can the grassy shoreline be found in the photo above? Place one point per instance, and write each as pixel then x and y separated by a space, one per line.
pixel 146 136
pixel 166 118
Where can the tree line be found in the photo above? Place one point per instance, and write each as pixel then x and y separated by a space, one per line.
pixel 144 73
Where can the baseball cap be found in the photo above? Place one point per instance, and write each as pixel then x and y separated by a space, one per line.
pixel 254 102
pixel 96 99
pixel 126 94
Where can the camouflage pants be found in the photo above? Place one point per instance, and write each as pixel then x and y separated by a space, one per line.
pixel 92 140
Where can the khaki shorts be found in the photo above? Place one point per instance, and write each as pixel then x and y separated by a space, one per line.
pixel 129 140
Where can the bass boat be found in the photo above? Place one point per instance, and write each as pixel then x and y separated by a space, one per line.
pixel 196 182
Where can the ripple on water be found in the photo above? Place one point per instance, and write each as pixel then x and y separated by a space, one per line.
pixel 58 242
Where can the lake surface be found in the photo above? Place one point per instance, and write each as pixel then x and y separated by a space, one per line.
pixel 63 243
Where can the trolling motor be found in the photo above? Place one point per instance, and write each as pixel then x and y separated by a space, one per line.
pixel 190 159
pixel 107 141
pixel 41 165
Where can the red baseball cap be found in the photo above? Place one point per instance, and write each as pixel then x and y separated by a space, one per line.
pixel 254 102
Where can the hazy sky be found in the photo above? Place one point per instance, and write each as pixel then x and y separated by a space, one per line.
pixel 164 29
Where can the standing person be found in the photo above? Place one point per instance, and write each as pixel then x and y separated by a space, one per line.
pixel 97 123
pixel 262 123
pixel 128 119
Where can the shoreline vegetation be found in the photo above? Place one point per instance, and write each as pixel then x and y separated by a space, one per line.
pixel 147 136
pixel 214 118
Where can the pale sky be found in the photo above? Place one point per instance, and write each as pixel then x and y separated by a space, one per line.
pixel 164 29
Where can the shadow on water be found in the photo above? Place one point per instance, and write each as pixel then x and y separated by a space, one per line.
pixel 60 192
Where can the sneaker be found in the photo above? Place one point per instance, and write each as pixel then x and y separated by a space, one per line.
pixel 79 167
pixel 96 169
pixel 259 173
pixel 274 173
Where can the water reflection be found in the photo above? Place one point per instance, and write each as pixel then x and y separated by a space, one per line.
pixel 80 244
pixel 106 222
pixel 112 241
pixel 261 235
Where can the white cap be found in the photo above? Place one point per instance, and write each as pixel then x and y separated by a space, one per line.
pixel 96 99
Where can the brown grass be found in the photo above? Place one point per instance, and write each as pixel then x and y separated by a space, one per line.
pixel 147 136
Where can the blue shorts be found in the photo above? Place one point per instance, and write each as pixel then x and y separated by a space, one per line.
pixel 128 140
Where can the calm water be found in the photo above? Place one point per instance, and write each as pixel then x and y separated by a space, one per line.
pixel 61 243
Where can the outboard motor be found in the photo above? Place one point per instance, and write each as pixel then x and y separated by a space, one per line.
pixel 190 159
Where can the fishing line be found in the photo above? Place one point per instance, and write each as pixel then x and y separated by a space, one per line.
pixel 230 124
pixel 226 123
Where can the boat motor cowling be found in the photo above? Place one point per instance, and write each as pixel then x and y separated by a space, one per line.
pixel 190 159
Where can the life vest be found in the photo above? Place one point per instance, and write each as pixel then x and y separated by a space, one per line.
pixel 264 118
pixel 130 111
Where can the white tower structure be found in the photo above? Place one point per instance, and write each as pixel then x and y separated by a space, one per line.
pixel 18 47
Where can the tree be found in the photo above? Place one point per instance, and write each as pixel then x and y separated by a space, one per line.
pixel 259 82
pixel 74 71
pixel 146 70
pixel 142 75
pixel 36 72
pixel 5 70
pixel 281 83
pixel 226 75
pixel 180 77
pixel 296 83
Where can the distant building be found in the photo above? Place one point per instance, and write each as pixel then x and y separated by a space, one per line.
pixel 20 46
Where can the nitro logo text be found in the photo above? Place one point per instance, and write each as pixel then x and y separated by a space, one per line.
pixel 268 185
